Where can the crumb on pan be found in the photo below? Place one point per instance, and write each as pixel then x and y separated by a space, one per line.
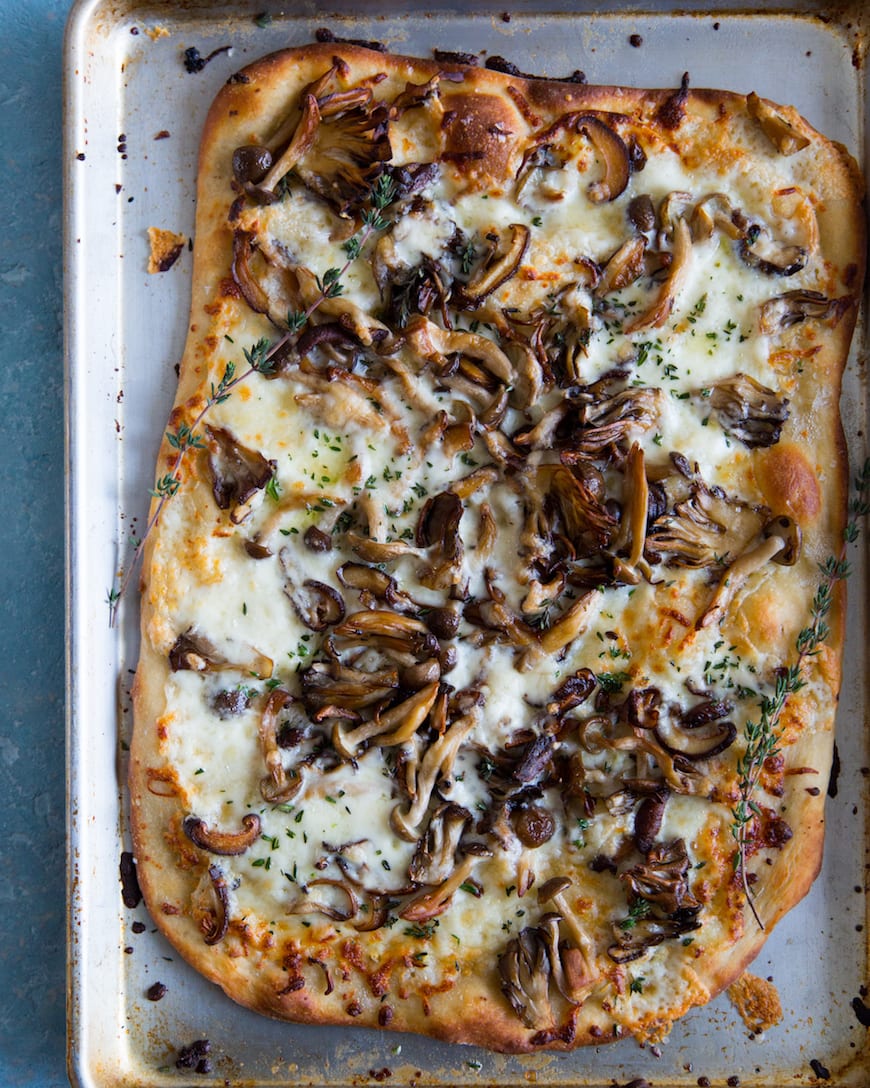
pixel 166 247
pixel 757 1001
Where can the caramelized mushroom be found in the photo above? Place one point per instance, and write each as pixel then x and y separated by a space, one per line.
pixel 524 966
pixel 614 156
pixel 759 249
pixel 784 311
pixel 500 264
pixel 224 843
pixel 237 472
pixel 749 410
pixel 781 133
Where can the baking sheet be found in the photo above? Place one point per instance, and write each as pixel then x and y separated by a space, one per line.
pixel 126 87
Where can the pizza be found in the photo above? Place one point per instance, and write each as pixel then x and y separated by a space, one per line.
pixel 483 688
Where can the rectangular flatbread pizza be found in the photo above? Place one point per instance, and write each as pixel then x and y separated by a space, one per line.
pixel 488 671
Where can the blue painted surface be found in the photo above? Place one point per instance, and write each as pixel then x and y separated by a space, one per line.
pixel 32 787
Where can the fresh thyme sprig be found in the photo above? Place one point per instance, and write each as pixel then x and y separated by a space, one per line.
pixel 261 360
pixel 763 737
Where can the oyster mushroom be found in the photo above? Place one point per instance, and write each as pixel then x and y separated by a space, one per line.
pixel 300 142
pixel 331 685
pixel 224 843
pixel 716 212
pixel 524 967
pixel 659 312
pixel 395 726
pixel 793 307
pixel 437 762
pixel 346 155
pixel 623 268
pixel 316 604
pixel 438 530
pixel 759 249
pixel 237 472
pixel 615 419
pixel 430 904
pixel 432 342
pixel 210 905
pixel 781 536
pixel 193 651
pixel 631 943
pixel 632 529
pixel 279 785
pixel 581 971
pixel 749 411
pixel 434 857
pixel 782 133
pixel 342 908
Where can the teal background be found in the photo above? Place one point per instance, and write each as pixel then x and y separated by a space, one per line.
pixel 32 764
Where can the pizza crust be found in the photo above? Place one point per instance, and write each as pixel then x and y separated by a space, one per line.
pixel 326 972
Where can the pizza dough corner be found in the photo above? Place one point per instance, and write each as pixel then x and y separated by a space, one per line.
pixel 505 452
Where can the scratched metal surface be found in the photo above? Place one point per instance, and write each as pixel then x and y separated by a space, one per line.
pixel 125 330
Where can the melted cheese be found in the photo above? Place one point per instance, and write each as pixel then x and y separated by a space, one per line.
pixel 353 448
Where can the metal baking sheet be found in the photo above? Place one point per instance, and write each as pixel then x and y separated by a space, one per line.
pixel 133 117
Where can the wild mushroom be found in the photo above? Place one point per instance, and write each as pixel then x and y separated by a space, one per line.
pixel 328 684
pixel 782 133
pixel 279 785
pixel 224 843
pixel 394 726
pixel 524 966
pixel 500 263
pixel 317 605
pixel 648 819
pixel 780 536
pixel 438 529
pixel 434 343
pixel 716 212
pixel 210 905
pixel 697 742
pixel 437 761
pixel 632 529
pixel 581 970
pixel 616 419
pixel 632 942
pixel 237 472
pixel 346 155
pixel 572 975
pixel 659 312
pixel 749 410
pixel 759 249
pixel 301 141
pixel 380 627
pixel 434 857
pixel 343 907
pixel 374 585
pixel 784 311
pixel 614 157
pixel 430 904
pixel 623 268
pixel 193 651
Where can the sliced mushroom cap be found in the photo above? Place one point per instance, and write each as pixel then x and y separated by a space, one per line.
pixel 759 249
pixel 237 472
pixel 623 268
pixel 337 900
pixel 194 652
pixel 224 843
pixel 316 604
pixel 501 263
pixel 749 410
pixel 697 743
pixel 614 156
pixel 648 819
pixel 788 530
